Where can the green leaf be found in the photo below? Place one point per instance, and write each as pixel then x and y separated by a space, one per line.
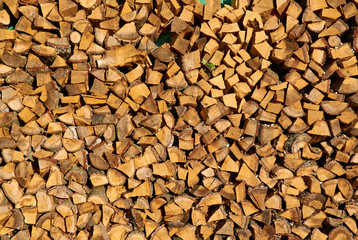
pixel 223 2
pixel 211 66
pixel 163 38
pixel 226 2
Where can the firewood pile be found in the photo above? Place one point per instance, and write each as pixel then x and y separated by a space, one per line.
pixel 240 124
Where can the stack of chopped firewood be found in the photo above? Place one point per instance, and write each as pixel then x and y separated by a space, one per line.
pixel 241 125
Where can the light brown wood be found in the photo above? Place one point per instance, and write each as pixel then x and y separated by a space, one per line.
pixel 242 124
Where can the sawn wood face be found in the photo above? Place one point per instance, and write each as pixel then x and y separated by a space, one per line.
pixel 174 119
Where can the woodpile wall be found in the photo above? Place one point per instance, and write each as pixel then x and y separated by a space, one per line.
pixel 173 119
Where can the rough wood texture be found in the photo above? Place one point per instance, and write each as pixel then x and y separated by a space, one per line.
pixel 241 125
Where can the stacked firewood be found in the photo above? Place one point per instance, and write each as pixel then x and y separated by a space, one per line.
pixel 242 126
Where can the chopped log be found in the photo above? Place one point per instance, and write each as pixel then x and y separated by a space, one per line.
pixel 244 112
pixel 121 57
